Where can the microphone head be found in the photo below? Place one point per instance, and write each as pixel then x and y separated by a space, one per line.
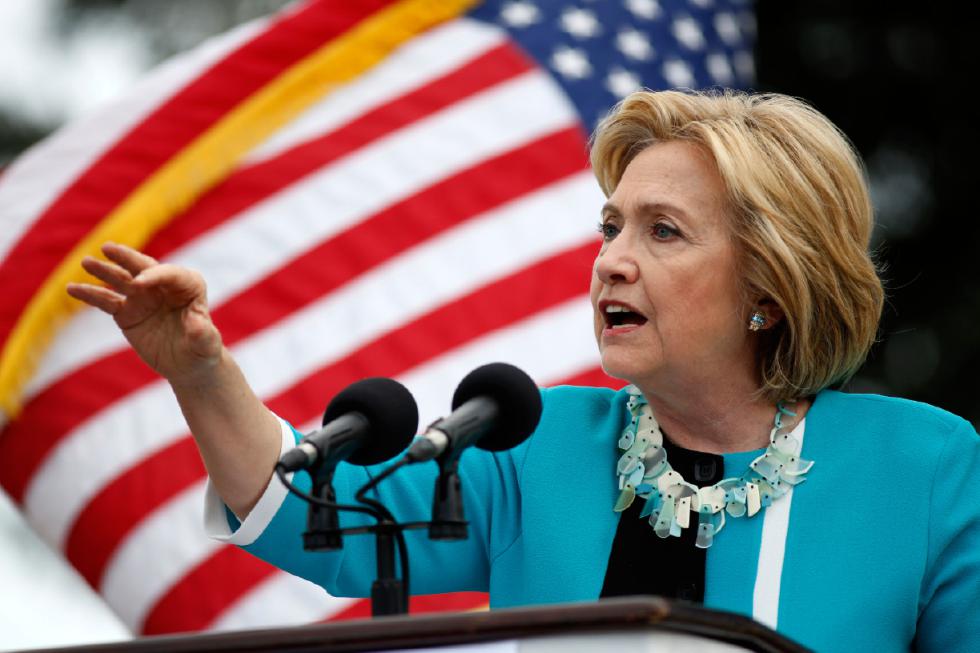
pixel 518 400
pixel 391 411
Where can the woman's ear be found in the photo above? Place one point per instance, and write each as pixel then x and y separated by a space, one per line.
pixel 771 312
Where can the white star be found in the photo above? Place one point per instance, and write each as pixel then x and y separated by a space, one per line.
pixel 688 32
pixel 634 44
pixel 520 13
pixel 704 4
pixel 622 82
pixel 647 9
pixel 727 28
pixel 571 62
pixel 678 74
pixel 720 69
pixel 580 23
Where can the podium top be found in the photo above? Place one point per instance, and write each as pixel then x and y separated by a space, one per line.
pixel 616 615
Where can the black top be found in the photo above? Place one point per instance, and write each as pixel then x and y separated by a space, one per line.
pixel 641 562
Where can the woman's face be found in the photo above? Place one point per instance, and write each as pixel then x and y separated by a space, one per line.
pixel 664 287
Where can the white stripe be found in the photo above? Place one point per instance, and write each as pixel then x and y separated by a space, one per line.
pixel 422 279
pixel 282 600
pixel 416 63
pixel 39 177
pixel 242 251
pixel 544 345
pixel 772 550
pixel 167 545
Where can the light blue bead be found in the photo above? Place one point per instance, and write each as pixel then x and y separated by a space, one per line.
pixel 652 505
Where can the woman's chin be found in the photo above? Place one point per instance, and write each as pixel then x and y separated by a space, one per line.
pixel 624 367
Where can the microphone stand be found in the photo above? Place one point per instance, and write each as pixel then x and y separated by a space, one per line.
pixel 322 519
pixel 389 594
pixel 448 520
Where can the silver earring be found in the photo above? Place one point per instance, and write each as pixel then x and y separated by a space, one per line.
pixel 757 321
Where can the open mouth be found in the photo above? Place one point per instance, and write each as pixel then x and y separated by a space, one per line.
pixel 620 317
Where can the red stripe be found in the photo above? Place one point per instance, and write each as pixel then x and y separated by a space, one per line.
pixel 160 136
pixel 492 307
pixel 444 602
pixel 255 183
pixel 360 609
pixel 76 397
pixel 192 603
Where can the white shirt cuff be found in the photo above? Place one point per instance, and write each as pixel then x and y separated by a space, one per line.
pixel 215 515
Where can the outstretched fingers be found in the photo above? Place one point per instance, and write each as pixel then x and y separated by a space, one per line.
pixel 114 276
pixel 118 273
pixel 104 299
pixel 128 258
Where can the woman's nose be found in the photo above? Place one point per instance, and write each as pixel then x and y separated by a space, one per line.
pixel 616 262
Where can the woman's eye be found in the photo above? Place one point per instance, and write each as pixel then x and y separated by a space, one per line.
pixel 608 230
pixel 663 231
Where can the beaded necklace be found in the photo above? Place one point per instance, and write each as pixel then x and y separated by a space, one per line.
pixel 644 472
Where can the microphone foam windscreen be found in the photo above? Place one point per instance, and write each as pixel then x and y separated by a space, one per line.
pixel 518 400
pixel 391 411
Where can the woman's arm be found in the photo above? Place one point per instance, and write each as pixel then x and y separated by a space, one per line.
pixel 162 310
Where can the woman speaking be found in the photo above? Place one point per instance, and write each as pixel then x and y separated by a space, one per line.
pixel 732 290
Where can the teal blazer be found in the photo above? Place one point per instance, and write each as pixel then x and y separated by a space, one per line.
pixel 879 549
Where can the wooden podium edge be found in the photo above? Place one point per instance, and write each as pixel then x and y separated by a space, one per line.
pixel 611 615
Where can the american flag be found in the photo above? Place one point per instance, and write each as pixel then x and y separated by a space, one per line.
pixel 369 188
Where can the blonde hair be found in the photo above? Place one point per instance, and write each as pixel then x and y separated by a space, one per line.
pixel 801 220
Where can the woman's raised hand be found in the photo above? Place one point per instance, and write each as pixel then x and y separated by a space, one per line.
pixel 161 309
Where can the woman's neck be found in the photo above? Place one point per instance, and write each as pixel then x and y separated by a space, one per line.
pixel 727 419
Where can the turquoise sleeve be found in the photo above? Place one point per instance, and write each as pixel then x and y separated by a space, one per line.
pixel 949 602
pixel 490 484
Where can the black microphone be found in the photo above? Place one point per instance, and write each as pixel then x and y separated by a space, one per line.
pixel 495 407
pixel 366 423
